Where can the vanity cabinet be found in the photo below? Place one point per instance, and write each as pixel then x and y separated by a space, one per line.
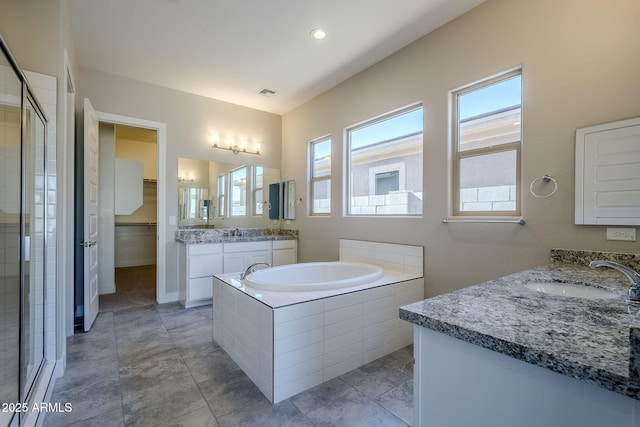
pixel 199 262
pixel 240 255
pixel 284 252
pixel 197 265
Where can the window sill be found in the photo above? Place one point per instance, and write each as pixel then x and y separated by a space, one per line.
pixel 519 221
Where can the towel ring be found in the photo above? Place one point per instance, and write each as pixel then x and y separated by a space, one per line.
pixel 545 178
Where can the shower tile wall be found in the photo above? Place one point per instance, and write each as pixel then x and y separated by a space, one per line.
pixel 45 90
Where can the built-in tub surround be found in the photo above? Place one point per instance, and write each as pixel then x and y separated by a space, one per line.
pixel 586 340
pixel 218 235
pixel 287 342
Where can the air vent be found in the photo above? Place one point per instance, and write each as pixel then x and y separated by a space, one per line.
pixel 267 92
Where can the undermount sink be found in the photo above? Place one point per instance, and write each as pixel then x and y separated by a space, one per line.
pixel 572 290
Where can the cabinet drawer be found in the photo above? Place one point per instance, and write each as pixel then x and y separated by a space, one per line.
pixel 284 256
pixel 200 288
pixel 247 246
pixel 204 248
pixel 284 244
pixel 205 265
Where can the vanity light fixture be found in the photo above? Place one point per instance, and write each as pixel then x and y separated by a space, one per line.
pixel 185 179
pixel 234 147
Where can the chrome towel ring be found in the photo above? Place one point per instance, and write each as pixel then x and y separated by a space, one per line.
pixel 546 179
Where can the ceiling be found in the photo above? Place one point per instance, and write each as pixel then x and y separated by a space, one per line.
pixel 231 49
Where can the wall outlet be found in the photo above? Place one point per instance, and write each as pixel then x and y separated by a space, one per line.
pixel 628 234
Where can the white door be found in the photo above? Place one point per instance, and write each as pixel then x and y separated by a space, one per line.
pixel 91 299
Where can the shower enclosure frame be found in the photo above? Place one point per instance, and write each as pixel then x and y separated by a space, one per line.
pixel 30 251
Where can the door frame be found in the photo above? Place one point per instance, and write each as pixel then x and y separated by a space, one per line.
pixel 161 242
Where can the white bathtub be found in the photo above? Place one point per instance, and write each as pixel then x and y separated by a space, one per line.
pixel 312 276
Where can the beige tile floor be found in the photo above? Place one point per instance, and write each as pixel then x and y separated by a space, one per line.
pixel 157 365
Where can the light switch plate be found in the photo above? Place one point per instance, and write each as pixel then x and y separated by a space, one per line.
pixel 628 234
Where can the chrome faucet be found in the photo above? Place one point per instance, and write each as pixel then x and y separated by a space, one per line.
pixel 632 275
pixel 252 268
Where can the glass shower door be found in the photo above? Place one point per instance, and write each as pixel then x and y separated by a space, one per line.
pixel 10 172
pixel 34 193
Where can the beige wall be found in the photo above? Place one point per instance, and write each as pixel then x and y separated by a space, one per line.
pixel 191 121
pixel 581 67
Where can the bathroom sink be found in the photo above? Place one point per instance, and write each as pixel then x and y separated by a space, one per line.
pixel 572 290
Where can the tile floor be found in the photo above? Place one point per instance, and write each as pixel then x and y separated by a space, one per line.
pixel 135 287
pixel 157 365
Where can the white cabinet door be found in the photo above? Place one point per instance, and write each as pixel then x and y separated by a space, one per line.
pixel 197 264
pixel 234 262
pixel 258 256
pixel 608 174
pixel 237 262
pixel 200 288
pixel 285 252
pixel 284 256
pixel 205 265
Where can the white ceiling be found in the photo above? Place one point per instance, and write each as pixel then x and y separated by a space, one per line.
pixel 230 49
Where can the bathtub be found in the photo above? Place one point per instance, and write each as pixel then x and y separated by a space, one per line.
pixel 314 276
pixel 288 341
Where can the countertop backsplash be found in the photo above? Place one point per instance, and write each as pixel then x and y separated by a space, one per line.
pixel 573 256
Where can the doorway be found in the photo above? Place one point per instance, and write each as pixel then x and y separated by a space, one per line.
pixel 128 225
pixel 112 120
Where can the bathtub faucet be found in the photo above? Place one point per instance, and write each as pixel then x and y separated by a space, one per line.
pixel 633 276
pixel 252 268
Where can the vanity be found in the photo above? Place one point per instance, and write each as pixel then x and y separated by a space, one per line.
pixel 519 351
pixel 229 217
pixel 203 253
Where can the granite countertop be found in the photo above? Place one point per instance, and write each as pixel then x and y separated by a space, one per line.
pixel 585 339
pixel 227 235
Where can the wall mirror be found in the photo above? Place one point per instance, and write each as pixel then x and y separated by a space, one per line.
pixel 225 195
pixel 193 205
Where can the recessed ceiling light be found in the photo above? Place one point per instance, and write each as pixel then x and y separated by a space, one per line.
pixel 318 33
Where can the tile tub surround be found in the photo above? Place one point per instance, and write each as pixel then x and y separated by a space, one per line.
pixel 219 235
pixel 288 342
pixel 584 339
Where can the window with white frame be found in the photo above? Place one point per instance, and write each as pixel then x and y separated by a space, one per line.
pixel 222 191
pixel 320 176
pixel 487 147
pixel 385 164
pixel 238 192
pixel 258 190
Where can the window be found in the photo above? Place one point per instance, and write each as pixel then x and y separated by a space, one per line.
pixel 487 147
pixel 320 182
pixel 222 190
pixel 257 188
pixel 387 182
pixel 385 165
pixel 238 181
